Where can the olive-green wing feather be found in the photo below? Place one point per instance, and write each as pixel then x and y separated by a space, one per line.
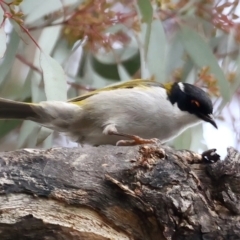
pixel 129 84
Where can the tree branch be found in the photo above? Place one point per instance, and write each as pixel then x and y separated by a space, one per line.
pixel 142 192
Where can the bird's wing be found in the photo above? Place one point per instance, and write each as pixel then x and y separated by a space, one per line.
pixel 129 84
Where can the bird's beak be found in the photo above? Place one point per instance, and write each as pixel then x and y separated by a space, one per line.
pixel 209 118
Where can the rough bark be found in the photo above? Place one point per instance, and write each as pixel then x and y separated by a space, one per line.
pixel 144 192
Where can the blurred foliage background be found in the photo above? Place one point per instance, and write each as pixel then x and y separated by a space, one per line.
pixel 57 49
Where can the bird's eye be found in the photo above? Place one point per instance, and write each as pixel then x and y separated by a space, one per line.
pixel 196 103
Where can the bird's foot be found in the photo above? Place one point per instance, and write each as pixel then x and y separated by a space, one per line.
pixel 135 140
pixel 210 156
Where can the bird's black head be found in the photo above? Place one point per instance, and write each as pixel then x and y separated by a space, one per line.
pixel 192 99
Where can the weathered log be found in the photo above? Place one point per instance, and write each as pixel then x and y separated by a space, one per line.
pixel 142 192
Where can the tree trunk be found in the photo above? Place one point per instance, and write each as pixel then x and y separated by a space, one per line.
pixel 147 192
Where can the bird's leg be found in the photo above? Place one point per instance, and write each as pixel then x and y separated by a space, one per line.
pixel 134 140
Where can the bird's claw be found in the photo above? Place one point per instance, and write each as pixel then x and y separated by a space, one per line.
pixel 137 141
pixel 210 156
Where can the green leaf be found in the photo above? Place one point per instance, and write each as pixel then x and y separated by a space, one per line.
pixel 9 57
pixel 55 84
pixel 93 72
pixel 107 71
pixel 157 52
pixel 143 51
pixel 190 139
pixel 187 70
pixel 109 65
pixel 28 134
pixel 117 55
pixel 3 44
pixel 124 76
pixel 1 15
pixel 36 11
pixel 7 125
pixel 233 87
pixel 21 33
pixel 41 9
pixel 197 138
pixel 43 134
pixel 48 142
pixel 3 38
pixel 25 91
pixel 38 93
pixel 132 65
pixel 236 82
pixel 183 141
pixel 146 10
pixel 174 55
pixel 202 55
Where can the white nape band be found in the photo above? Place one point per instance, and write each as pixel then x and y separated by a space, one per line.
pixel 181 86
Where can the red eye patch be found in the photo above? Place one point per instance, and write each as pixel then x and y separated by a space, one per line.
pixel 196 103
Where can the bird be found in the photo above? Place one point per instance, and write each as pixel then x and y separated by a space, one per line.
pixel 127 113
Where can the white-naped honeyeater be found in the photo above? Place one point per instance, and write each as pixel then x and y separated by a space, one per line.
pixel 128 113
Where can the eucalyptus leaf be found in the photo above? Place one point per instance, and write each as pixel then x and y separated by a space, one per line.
pixel 43 134
pixel 37 90
pixel 24 35
pixel 111 71
pixel 183 141
pixel 143 47
pixel 42 13
pixel 174 55
pixel 93 78
pixel 7 126
pixel 157 52
pixel 202 56
pixel 26 89
pixel 28 134
pixel 48 142
pixel 197 138
pixel 236 82
pixel 9 56
pixel 187 71
pixel 132 65
pixel 190 139
pixel 124 76
pixel 8 1
pixel 36 10
pixel 1 15
pixel 233 88
pixel 3 40
pixel 48 39
pixel 61 51
pixel 146 10
pixel 120 54
pixel 55 85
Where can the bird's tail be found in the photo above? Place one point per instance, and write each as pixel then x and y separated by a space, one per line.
pixel 18 110
pixel 56 115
